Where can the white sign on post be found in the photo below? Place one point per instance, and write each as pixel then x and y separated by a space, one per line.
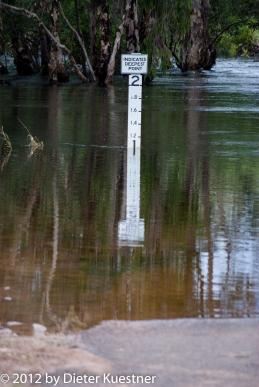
pixel 135 65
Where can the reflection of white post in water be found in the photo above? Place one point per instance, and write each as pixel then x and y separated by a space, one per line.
pixel 131 230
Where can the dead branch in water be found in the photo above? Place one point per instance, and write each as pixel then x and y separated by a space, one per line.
pixel 34 144
pixel 6 140
pixel 5 148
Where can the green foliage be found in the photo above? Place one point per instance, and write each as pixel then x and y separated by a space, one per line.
pixel 240 43
pixel 255 38
pixel 227 46
pixel 235 21
pixel 244 37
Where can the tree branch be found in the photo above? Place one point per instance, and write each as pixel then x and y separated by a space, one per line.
pixel 33 15
pixel 226 28
pixel 80 41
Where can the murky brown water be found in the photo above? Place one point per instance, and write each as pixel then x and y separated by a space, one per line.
pixel 63 262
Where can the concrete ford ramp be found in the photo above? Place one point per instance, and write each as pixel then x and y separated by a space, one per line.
pixel 168 353
pixel 180 353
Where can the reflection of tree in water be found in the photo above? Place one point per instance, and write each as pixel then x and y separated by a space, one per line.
pixel 197 192
pixel 87 227
pixel 174 212
pixel 181 222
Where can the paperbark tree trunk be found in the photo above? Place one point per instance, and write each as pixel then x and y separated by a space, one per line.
pixel 197 51
pixel 131 26
pixel 112 61
pixel 57 71
pixel 101 45
pixel 146 24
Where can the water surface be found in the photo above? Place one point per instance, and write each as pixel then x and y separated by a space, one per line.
pixel 62 262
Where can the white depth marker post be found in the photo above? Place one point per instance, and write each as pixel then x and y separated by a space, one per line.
pixel 134 65
pixel 132 229
pixel 134 111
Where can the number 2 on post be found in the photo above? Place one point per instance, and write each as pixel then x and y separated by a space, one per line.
pixel 135 80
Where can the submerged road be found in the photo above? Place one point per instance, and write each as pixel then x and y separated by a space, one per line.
pixel 181 353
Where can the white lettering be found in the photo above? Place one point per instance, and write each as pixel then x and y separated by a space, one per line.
pixel 128 379
pixel 106 378
pixel 80 379
pixel 52 379
pixel 67 378
pixel 135 64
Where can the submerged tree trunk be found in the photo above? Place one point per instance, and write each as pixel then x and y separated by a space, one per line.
pixel 23 59
pixel 197 51
pixel 101 44
pixel 57 71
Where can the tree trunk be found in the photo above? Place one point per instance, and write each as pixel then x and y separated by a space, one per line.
pixel 51 52
pixel 57 71
pixel 101 47
pixel 78 29
pixel 112 61
pixel 3 68
pixel 1 32
pixel 146 24
pixel 197 51
pixel 77 12
pixel 45 51
pixel 131 26
pixel 23 59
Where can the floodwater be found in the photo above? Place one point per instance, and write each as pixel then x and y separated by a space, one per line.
pixel 70 254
